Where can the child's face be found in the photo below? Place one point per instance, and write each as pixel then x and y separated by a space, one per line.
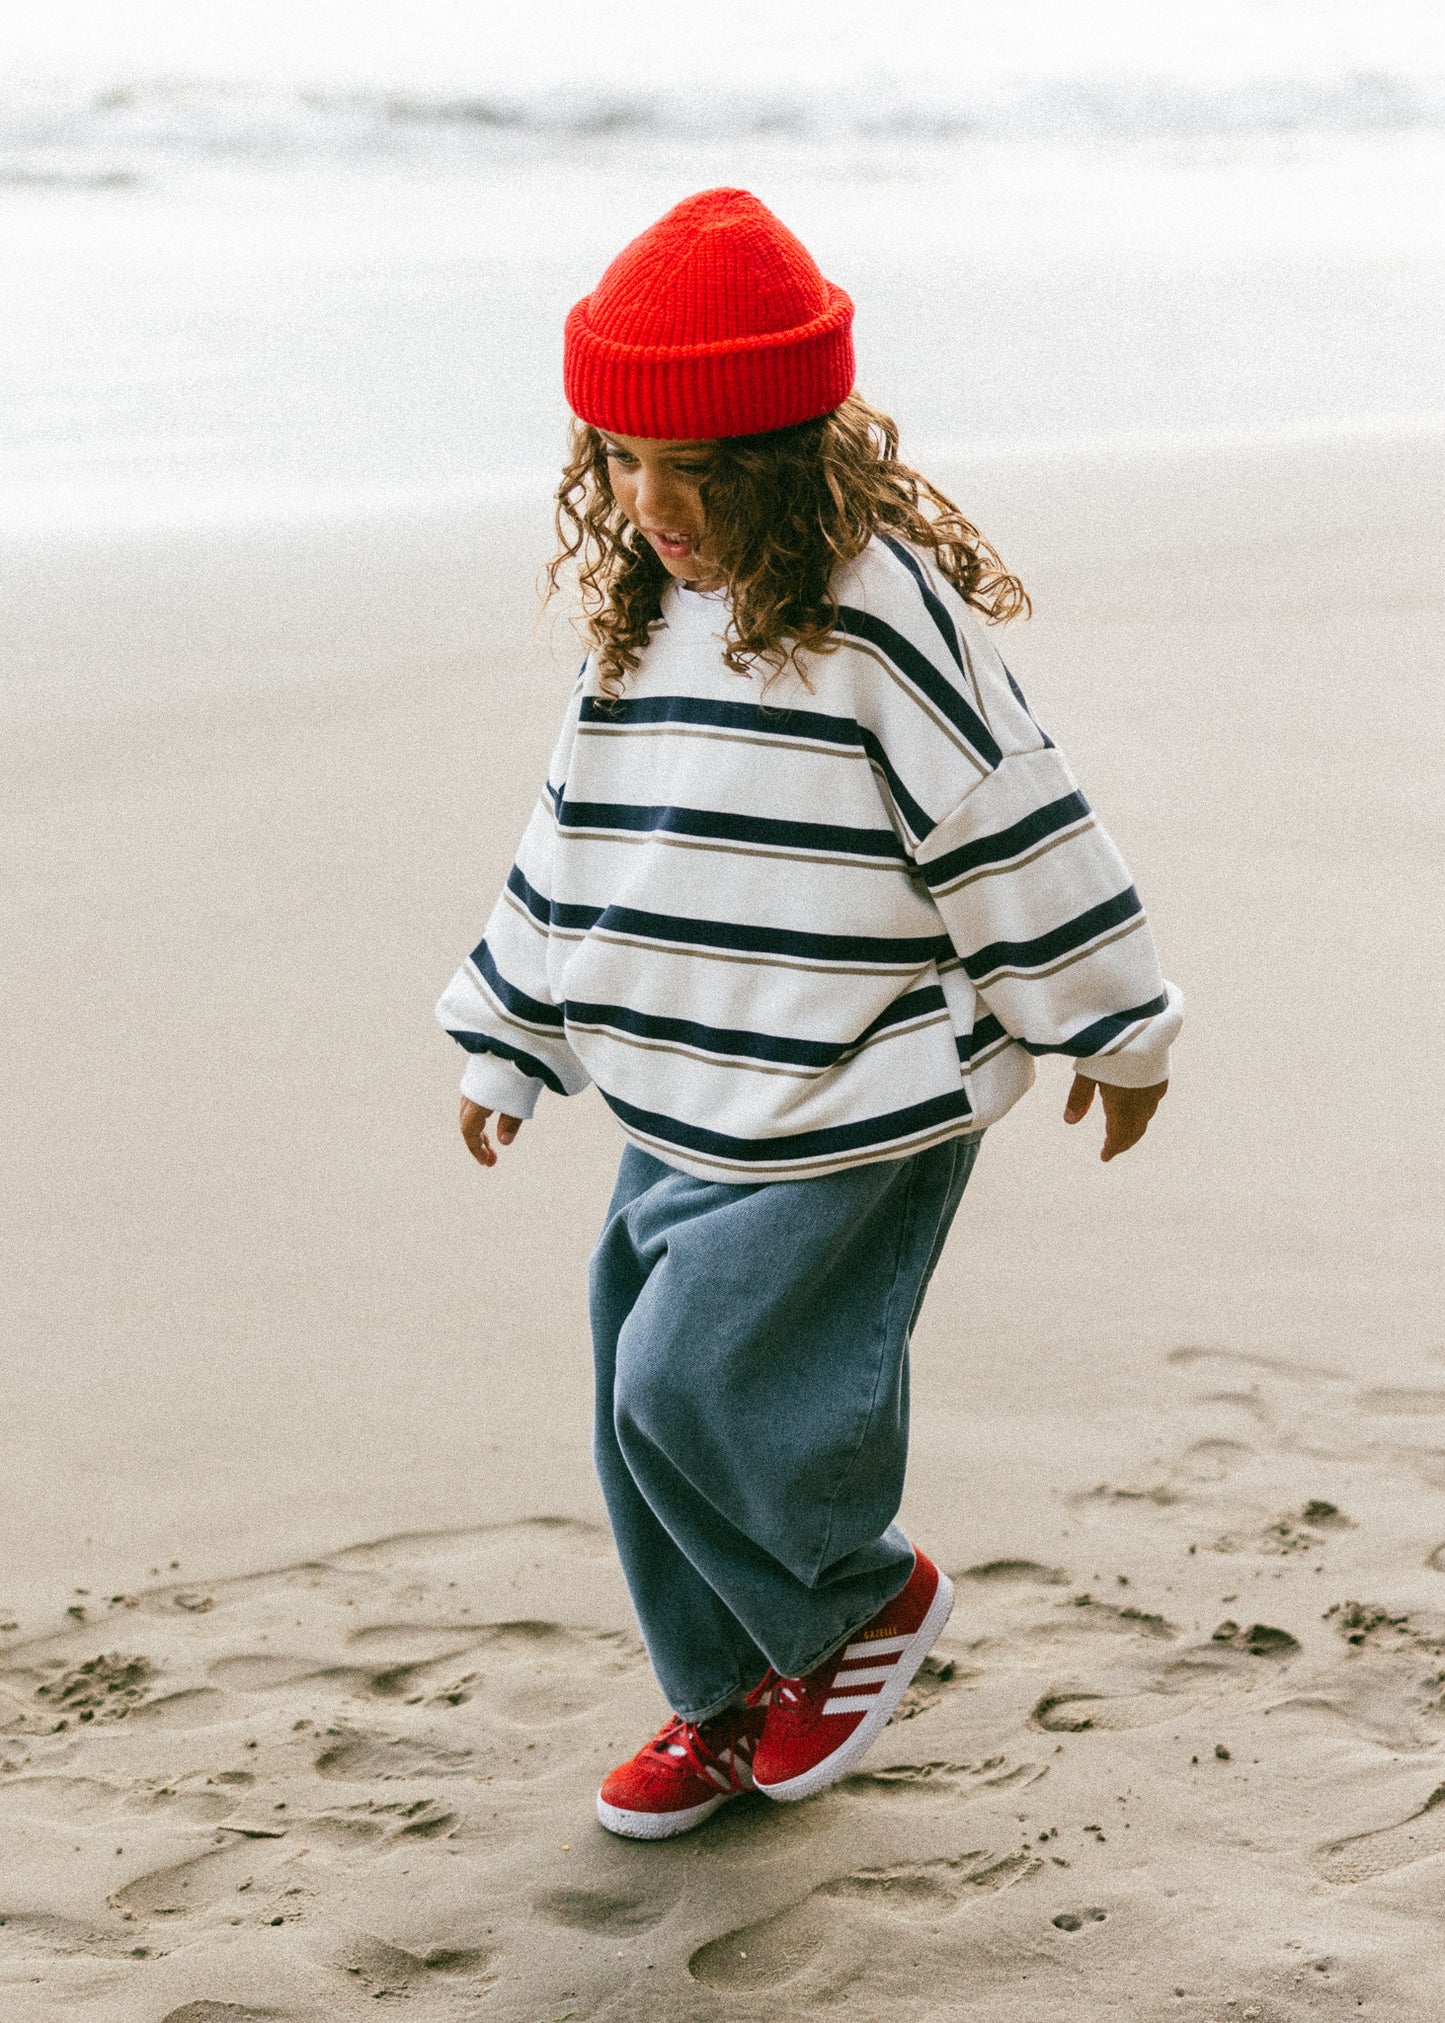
pixel 658 485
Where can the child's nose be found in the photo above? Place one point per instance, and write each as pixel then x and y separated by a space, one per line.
pixel 661 501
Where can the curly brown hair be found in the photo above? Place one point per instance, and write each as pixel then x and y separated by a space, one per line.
pixel 783 509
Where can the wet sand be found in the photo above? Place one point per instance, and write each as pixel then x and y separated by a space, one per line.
pixel 314 1614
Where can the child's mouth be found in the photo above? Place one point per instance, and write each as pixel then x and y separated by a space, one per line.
pixel 671 547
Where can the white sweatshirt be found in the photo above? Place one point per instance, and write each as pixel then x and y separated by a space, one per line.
pixel 795 930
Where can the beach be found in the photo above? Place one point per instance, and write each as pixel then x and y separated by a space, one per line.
pixel 313 1643
pixel 317 1647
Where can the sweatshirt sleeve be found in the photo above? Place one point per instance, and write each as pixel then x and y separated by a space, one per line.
pixel 1047 924
pixel 499 1006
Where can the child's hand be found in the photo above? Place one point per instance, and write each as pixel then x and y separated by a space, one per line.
pixel 1126 1111
pixel 474 1130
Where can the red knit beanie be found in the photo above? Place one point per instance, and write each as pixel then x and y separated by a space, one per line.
pixel 715 322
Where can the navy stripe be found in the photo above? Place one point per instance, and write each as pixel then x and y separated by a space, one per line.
pixel 836 838
pixel 743 1045
pixel 937 610
pixel 920 823
pixel 554 795
pixel 1093 1039
pixel 867 949
pixel 986 1032
pixel 924 676
pixel 800 1145
pixel 1044 948
pixel 483 1043
pixel 1006 843
pixel 734 716
pixel 532 1009
pixel 755 719
pixel 539 907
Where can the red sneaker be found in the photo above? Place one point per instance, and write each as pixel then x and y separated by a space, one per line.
pixel 819 1726
pixel 684 1774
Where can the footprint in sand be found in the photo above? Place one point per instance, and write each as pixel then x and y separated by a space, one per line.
pixel 191 1707
pixel 184 1887
pixel 363 1756
pixel 383 1970
pixel 609 1912
pixel 219 2012
pixel 422 1660
pixel 1081 1619
pixel 248 1863
pixel 1211 1461
pixel 1292 1533
pixel 1232 1657
pixel 358 1756
pixel 271 1672
pixel 1077 1713
pixel 24 1936
pixel 1365 1855
pixel 773 1950
pixel 85 1801
pixel 1202 1464
pixel 940 1779
pixel 1013 1573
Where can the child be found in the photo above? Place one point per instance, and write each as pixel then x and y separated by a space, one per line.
pixel 806 892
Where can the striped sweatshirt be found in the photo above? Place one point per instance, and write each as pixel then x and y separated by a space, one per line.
pixel 792 929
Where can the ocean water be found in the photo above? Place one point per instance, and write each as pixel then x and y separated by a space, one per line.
pixel 316 260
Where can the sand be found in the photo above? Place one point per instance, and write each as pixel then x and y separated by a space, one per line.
pixel 317 1647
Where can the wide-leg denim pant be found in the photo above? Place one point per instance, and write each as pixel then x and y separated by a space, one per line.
pixel 751 1429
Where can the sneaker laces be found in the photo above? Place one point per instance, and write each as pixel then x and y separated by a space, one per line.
pixel 775 1690
pixel 683 1741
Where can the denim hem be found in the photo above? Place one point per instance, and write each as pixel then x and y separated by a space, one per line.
pixel 729 1699
pixel 811 1664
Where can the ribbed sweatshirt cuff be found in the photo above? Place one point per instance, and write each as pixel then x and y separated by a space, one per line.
pixel 496 1085
pixel 1144 1061
pixel 1127 1071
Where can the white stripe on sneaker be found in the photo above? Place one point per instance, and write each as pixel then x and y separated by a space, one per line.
pixel 864 1675
pixel 879 1647
pixel 874 1707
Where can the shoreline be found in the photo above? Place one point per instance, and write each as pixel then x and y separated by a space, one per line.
pixel 33 520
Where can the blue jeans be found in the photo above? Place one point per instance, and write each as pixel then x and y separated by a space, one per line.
pixel 751 1430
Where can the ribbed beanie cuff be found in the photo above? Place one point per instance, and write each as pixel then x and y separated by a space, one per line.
pixel 714 322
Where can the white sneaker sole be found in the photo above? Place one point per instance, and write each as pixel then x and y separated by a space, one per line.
pixel 807 1782
pixel 658 1825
